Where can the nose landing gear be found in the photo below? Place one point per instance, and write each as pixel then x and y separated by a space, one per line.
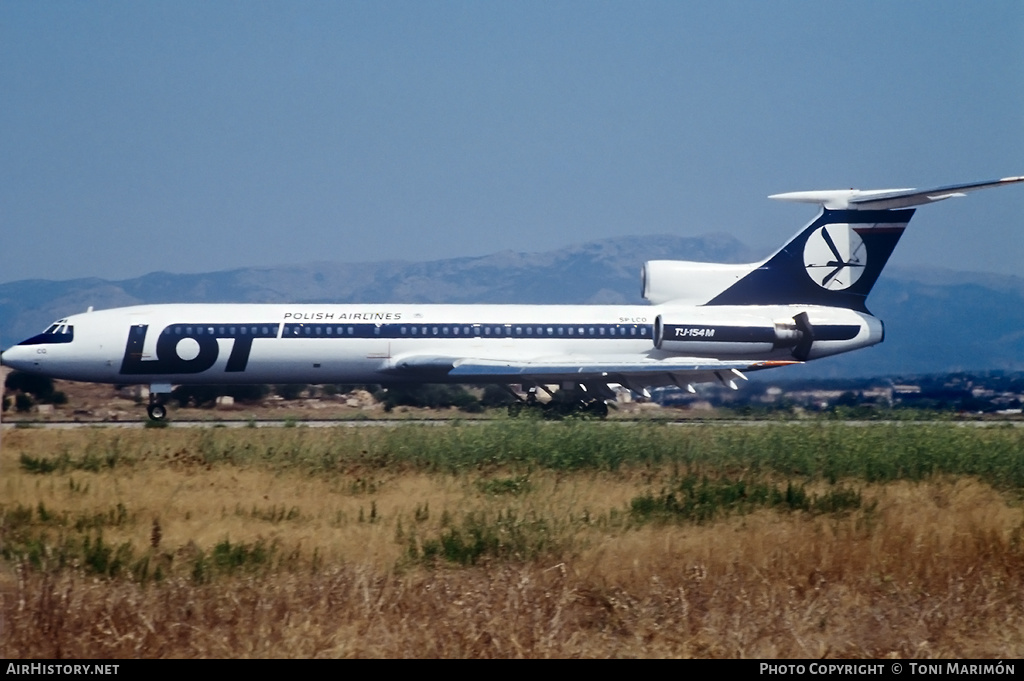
pixel 157 408
pixel 156 411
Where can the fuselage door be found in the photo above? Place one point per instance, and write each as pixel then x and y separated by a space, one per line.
pixel 141 341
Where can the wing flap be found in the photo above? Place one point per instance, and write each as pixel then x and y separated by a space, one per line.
pixel 425 364
pixel 604 370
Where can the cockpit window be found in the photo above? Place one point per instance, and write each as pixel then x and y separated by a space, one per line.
pixel 58 332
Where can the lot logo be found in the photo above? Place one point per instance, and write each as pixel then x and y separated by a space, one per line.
pixel 187 349
pixel 835 257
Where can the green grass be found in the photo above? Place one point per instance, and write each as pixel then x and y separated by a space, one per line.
pixel 700 500
pixel 704 472
pixel 816 450
pixel 514 486
pixel 49 541
pixel 480 536
pixel 226 558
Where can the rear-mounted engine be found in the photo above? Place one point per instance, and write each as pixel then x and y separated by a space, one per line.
pixel 807 334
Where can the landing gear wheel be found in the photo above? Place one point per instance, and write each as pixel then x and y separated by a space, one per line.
pixel 157 412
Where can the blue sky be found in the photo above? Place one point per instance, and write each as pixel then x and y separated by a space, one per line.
pixel 198 136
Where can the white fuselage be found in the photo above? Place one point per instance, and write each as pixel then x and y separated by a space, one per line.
pixel 380 343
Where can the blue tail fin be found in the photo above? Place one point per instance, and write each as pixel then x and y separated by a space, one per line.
pixel 834 261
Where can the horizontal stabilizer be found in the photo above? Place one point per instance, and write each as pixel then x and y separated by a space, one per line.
pixel 886 199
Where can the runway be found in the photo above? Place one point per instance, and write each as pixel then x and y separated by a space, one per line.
pixel 395 423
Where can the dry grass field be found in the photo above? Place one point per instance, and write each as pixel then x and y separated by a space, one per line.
pixel 513 539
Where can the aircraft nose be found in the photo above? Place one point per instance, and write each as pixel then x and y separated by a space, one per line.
pixel 19 357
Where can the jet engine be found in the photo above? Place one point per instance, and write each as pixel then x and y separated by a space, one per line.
pixel 685 282
pixel 800 334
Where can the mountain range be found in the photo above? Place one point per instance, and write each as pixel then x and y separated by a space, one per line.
pixel 936 320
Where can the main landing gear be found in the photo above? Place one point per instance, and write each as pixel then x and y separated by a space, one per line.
pixel 563 403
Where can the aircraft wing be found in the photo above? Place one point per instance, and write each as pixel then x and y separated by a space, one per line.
pixel 630 372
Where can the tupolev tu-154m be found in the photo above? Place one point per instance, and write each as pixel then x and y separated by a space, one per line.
pixel 704 322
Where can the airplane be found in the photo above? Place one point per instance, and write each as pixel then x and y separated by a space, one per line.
pixel 705 322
